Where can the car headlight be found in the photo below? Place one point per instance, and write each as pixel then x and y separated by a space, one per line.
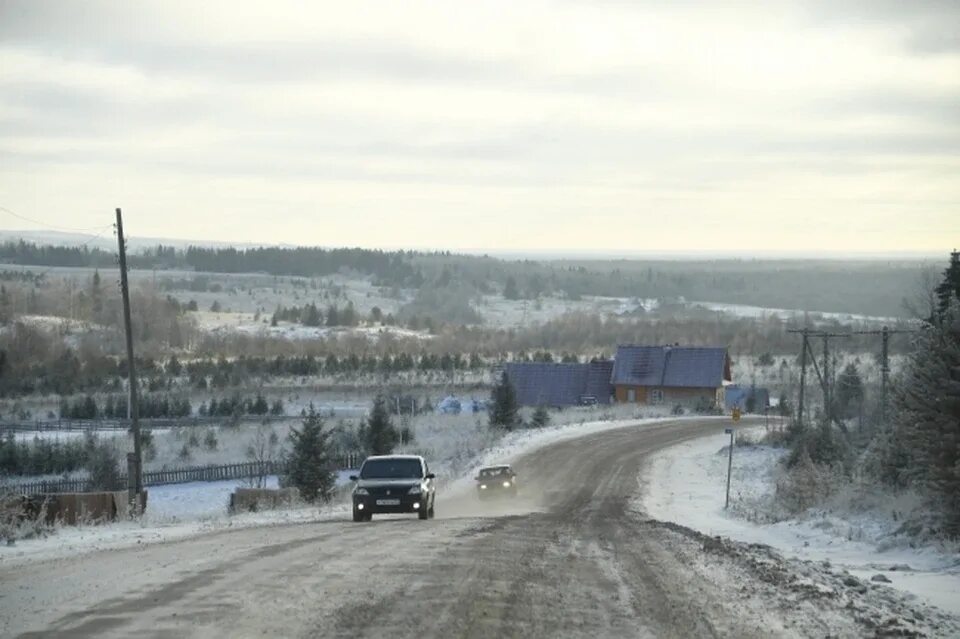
pixel 416 490
pixel 483 486
pixel 361 491
pixel 506 484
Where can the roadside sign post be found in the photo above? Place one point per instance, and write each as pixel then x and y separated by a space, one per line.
pixel 729 431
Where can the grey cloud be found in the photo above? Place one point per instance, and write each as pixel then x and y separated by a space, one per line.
pixel 60 110
pixel 931 105
pixel 930 26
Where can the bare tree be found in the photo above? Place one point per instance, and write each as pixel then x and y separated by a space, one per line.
pixel 264 449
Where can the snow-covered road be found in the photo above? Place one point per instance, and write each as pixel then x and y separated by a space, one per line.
pixel 570 558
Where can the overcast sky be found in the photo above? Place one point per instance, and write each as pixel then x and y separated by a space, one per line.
pixel 604 126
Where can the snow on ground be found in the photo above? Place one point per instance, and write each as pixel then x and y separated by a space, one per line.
pixel 759 312
pixel 173 512
pixel 200 499
pixel 185 510
pixel 247 324
pixel 685 484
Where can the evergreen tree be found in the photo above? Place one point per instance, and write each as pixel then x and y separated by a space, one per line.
pixel 103 468
pixel 849 392
pixel 348 316
pixel 4 305
pixel 310 465
pixel 380 436
pixel 259 406
pixel 504 409
pixel 949 288
pixel 924 445
pixel 311 316
pixel 510 290
pixel 333 315
pixel 540 418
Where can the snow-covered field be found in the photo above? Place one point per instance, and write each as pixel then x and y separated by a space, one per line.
pixel 760 312
pixel 685 484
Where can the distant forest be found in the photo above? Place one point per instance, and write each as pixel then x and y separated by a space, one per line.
pixel 860 287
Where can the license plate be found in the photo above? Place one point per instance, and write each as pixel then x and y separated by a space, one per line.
pixel 388 502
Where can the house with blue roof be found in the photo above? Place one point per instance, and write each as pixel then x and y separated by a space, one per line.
pixel 637 375
pixel 670 375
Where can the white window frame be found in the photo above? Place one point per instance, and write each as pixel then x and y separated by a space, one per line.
pixel 632 395
pixel 656 395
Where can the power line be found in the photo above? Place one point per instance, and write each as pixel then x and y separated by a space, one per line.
pixel 63 229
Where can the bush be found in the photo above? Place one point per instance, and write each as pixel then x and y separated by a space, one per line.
pixel 806 484
pixel 540 418
pixel 104 468
pixel 21 519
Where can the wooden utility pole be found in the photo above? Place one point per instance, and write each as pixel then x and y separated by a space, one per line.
pixel 821 375
pixel 134 478
pixel 803 374
pixel 827 406
pixel 884 334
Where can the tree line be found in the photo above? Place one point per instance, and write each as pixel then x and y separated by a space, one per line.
pixel 870 288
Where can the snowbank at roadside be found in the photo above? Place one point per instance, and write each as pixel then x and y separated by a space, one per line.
pixel 685 484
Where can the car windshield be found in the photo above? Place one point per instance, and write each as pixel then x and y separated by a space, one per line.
pixel 391 469
pixel 492 472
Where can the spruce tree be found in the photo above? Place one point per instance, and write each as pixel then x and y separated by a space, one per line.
pixel 949 288
pixel 924 445
pixel 379 435
pixel 540 418
pixel 310 464
pixel 849 391
pixel 504 409
pixel 510 290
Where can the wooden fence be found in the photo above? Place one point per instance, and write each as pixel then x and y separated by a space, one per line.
pixel 342 461
pixel 84 425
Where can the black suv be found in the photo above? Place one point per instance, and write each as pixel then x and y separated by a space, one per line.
pixel 496 480
pixel 393 484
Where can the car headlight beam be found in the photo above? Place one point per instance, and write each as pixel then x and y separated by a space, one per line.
pixel 506 484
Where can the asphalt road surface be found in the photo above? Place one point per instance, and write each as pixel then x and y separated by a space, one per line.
pixel 571 557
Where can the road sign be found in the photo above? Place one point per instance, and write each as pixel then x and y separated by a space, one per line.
pixel 727 431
